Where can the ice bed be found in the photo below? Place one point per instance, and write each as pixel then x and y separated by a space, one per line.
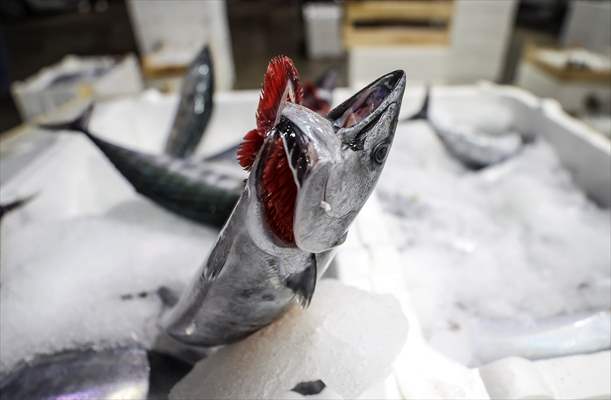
pixel 447 242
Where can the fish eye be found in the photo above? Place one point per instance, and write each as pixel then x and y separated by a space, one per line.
pixel 379 153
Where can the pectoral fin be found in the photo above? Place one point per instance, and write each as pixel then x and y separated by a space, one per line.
pixel 304 282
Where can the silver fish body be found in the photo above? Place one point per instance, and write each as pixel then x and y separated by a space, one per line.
pixel 200 191
pixel 472 147
pixel 477 149
pixel 194 108
pixel 116 373
pixel 251 277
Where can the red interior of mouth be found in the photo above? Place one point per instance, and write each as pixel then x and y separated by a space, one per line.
pixel 278 189
pixel 364 105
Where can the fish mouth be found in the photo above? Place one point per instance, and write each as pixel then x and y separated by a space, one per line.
pixel 369 102
pixel 304 147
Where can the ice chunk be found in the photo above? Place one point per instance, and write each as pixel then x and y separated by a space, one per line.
pixel 92 280
pixel 347 338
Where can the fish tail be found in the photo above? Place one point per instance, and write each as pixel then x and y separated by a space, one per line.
pixel 423 113
pixel 79 124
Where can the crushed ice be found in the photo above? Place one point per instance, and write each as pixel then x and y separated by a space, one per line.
pixel 514 242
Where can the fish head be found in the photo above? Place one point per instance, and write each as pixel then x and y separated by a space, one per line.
pixel 334 163
pixel 338 183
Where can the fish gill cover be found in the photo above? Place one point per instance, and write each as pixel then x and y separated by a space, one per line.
pixel 281 84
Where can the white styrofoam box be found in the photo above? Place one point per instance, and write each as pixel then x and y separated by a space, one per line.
pixel 176 27
pixel 39 94
pixel 482 22
pixel 594 61
pixel 421 64
pixel 515 378
pixel 323 33
pixel 587 24
pixel 368 259
pixel 582 151
pixel 573 377
pixel 479 34
pixel 571 94
pixel 73 178
pixel 579 377
pixel 421 371
pixel 123 79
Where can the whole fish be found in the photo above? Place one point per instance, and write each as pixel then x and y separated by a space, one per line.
pixel 194 108
pixel 114 373
pixel 309 177
pixel 475 149
pixel 195 190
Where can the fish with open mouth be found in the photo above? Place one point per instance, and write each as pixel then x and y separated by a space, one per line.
pixel 194 108
pixel 193 189
pixel 309 177
pixel 475 149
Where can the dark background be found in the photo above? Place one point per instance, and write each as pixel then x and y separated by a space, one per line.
pixel 37 33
